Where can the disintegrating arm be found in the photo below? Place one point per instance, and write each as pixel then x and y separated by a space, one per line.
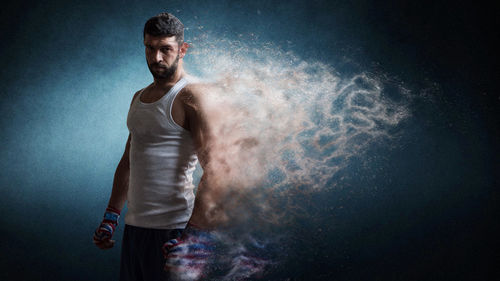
pixel 208 208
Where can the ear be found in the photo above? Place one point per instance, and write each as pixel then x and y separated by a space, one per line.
pixel 183 49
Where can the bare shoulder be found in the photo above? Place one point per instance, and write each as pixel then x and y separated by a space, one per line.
pixel 193 94
pixel 135 96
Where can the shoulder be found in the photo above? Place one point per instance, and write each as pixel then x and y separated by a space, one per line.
pixel 193 94
pixel 138 93
pixel 197 88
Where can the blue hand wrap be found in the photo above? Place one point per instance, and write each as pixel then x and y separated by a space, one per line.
pixel 112 216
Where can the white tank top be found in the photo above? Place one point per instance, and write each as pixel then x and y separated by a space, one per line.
pixel 162 161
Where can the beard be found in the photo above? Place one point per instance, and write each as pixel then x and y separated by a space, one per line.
pixel 160 71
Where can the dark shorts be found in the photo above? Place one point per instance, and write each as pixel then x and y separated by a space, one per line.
pixel 142 256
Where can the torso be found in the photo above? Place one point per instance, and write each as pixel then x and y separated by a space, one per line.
pixel 162 160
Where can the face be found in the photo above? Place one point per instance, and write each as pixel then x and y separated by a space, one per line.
pixel 162 55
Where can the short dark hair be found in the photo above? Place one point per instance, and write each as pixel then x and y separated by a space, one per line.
pixel 165 24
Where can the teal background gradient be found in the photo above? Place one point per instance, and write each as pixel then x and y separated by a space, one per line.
pixel 69 70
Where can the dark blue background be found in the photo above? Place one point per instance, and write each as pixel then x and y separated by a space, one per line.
pixel 69 69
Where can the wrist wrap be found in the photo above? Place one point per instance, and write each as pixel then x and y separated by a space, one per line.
pixel 108 225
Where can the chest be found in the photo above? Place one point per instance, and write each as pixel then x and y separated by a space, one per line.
pixel 161 103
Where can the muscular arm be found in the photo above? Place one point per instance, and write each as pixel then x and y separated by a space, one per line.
pixel 103 234
pixel 208 209
pixel 121 179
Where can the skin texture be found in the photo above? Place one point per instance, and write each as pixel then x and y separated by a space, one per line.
pixel 164 55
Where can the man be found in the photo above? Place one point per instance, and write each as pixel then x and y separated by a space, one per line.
pixel 168 134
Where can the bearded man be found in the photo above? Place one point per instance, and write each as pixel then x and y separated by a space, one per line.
pixel 168 134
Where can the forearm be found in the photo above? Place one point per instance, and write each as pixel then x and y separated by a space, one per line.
pixel 209 209
pixel 120 185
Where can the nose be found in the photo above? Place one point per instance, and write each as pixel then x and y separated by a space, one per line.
pixel 158 57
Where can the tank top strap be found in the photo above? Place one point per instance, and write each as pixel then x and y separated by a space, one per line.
pixel 169 100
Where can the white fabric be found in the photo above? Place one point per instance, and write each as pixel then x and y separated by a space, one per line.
pixel 162 161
